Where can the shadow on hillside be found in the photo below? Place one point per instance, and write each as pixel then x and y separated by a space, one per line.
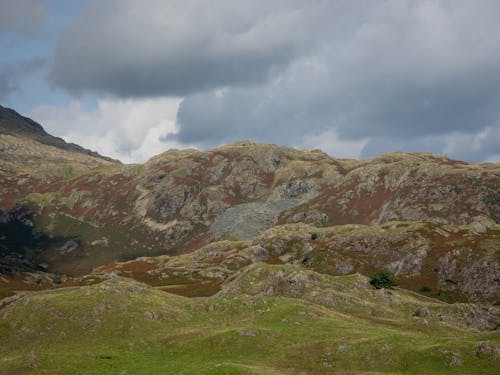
pixel 21 242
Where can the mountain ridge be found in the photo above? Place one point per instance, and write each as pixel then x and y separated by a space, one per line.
pixel 182 200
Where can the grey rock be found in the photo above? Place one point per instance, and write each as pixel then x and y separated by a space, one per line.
pixel 69 246
pixel 245 221
pixel 295 188
pixel 151 315
pixel 344 268
pixel 248 332
pixel 410 265
pixel 485 349
pixel 310 217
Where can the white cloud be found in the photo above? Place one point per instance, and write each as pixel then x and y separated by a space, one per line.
pixel 482 146
pixel 130 130
pixel 493 159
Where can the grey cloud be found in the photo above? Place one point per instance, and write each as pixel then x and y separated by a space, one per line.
pixel 263 113
pixel 132 48
pixel 24 16
pixel 474 147
pixel 458 145
pixel 413 76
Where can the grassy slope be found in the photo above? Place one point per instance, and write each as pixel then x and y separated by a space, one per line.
pixel 124 327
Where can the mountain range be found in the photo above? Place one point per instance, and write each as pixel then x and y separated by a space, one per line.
pixel 248 258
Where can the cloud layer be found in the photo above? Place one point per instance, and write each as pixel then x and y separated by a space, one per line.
pixel 148 48
pixel 356 78
pixel 414 76
pixel 22 16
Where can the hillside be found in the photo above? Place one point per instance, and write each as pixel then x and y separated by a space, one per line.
pixel 181 200
pixel 447 262
pixel 248 258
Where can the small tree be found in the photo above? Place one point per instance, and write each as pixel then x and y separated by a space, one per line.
pixel 314 236
pixel 383 279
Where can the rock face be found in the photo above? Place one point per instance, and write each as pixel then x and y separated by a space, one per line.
pixel 246 220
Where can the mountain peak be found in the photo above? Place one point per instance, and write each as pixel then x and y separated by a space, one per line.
pixel 11 122
pixel 14 124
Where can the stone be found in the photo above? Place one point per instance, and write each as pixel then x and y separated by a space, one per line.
pixel 485 349
pixel 69 246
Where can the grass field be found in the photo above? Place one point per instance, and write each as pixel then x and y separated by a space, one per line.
pixel 124 327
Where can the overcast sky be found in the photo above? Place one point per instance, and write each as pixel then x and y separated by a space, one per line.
pixel 355 78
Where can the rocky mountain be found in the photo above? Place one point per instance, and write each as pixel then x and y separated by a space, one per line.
pixel 97 211
pixel 239 227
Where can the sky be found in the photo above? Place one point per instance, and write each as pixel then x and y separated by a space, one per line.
pixel 355 78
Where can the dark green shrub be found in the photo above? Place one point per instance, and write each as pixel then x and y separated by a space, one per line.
pixel 314 236
pixel 383 279
pixel 425 289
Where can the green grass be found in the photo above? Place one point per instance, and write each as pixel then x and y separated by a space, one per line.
pixel 123 327
pixel 6 292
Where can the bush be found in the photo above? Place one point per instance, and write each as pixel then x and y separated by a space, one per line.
pixel 383 279
pixel 425 289
pixel 314 236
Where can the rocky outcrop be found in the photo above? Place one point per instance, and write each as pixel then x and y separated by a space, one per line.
pixel 354 293
pixel 424 256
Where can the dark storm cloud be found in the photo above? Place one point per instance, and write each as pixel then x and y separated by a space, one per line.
pixel 133 48
pixel 25 16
